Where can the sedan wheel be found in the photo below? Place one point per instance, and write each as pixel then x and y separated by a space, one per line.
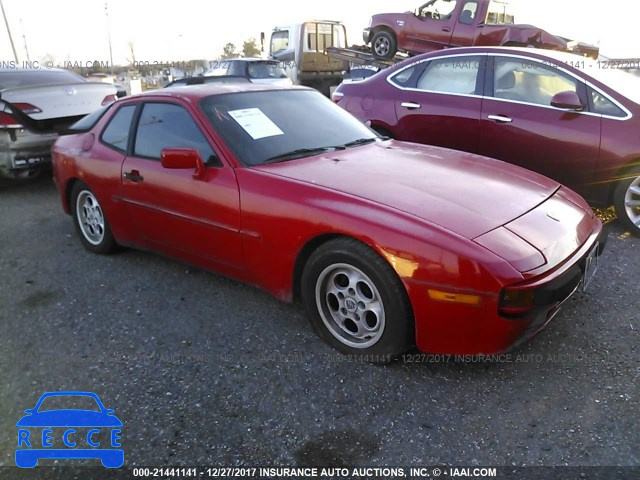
pixel 350 305
pixel 627 202
pixel 356 302
pixel 90 221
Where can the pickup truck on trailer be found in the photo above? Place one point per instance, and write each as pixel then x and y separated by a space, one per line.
pixel 440 24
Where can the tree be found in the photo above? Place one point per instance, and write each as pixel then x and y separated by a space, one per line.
pixel 229 51
pixel 250 48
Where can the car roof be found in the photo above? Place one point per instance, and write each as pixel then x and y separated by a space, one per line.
pixel 250 59
pixel 197 92
pixel 208 79
pixel 556 55
pixel 30 70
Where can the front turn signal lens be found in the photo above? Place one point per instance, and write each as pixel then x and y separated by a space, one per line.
pixel 449 297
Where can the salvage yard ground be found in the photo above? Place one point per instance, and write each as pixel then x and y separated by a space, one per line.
pixel 203 370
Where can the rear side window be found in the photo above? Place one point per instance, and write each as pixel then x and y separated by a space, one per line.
pixel 116 133
pixel 457 75
pixel 403 78
pixel 87 123
pixel 165 125
pixel 604 106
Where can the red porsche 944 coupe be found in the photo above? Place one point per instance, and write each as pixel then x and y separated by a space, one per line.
pixel 387 244
pixel 567 117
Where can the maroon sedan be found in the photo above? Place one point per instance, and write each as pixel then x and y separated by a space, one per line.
pixel 387 244
pixel 566 117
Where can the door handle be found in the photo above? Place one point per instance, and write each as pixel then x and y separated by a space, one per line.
pixel 134 176
pixel 500 118
pixel 446 29
pixel 411 105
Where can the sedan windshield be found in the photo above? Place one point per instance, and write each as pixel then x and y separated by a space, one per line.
pixel 281 125
pixel 265 70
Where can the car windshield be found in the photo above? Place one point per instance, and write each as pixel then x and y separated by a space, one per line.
pixel 68 402
pixel 280 125
pixel 622 82
pixel 33 78
pixel 265 70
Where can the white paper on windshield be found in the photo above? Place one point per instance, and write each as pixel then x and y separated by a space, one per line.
pixel 256 123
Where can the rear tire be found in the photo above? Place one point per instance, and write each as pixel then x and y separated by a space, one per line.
pixel 627 201
pixel 384 45
pixel 356 302
pixel 90 221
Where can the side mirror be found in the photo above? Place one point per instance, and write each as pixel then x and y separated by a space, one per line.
pixel 182 159
pixel 29 410
pixel 567 101
pixel 109 411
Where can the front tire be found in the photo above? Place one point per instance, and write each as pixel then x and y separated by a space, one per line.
pixel 90 221
pixel 384 45
pixel 627 201
pixel 356 302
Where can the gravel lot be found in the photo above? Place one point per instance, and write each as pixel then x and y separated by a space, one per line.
pixel 203 370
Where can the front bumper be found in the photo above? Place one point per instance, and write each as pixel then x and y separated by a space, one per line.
pixel 551 295
pixel 367 34
pixel 479 329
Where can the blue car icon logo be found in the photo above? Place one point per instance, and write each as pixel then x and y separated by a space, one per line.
pixel 86 431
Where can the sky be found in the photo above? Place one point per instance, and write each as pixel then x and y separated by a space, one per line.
pixel 165 31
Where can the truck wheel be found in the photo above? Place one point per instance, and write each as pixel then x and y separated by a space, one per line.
pixel 384 45
pixel 627 201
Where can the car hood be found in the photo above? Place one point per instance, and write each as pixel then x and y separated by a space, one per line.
pixel 69 418
pixel 463 193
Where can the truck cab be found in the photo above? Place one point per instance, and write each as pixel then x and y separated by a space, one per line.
pixel 440 24
pixel 300 49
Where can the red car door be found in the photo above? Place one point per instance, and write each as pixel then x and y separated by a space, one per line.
pixel 194 219
pixel 440 103
pixel 466 26
pixel 431 29
pixel 520 126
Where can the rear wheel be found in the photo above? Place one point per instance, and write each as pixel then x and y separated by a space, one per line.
pixel 90 221
pixel 356 302
pixel 384 45
pixel 627 201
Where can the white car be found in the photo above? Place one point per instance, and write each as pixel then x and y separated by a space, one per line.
pixel 257 70
pixel 36 105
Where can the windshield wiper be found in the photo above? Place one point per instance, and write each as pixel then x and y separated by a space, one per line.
pixel 307 152
pixel 299 153
pixel 360 141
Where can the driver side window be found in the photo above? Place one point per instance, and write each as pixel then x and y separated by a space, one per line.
pixel 166 125
pixel 438 9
